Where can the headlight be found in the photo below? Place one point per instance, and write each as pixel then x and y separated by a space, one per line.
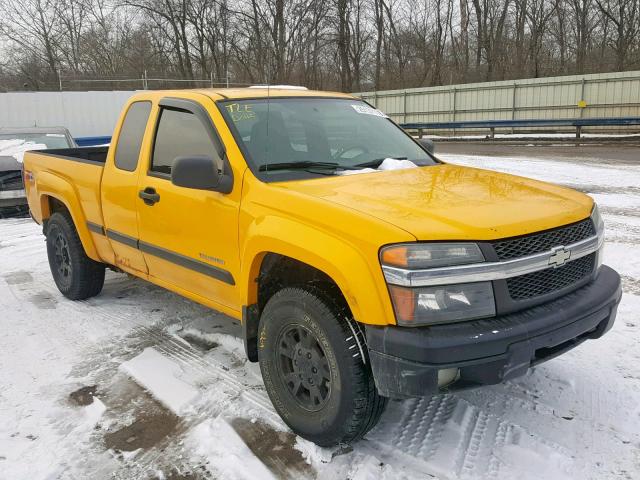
pixel 440 304
pixel 430 255
pixel 437 304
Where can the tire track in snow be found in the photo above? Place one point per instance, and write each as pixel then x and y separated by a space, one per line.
pixel 231 394
pixel 452 438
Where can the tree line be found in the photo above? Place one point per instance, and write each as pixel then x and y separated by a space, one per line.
pixel 348 45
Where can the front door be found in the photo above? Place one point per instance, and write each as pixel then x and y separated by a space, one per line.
pixel 189 237
pixel 119 192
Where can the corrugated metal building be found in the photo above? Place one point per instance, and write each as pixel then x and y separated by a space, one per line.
pixel 83 113
pixel 577 96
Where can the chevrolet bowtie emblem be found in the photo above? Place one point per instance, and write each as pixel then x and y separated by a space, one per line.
pixel 559 256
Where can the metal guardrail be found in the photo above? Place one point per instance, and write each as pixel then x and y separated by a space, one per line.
pixel 578 123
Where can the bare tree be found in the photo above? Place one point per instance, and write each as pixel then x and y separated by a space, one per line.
pixel 33 26
pixel 343 42
pixel 538 16
pixel 333 44
pixel 584 22
pixel 625 15
pixel 491 17
pixel 72 15
pixel 464 37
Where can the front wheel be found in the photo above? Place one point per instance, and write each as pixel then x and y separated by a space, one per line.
pixel 76 275
pixel 314 370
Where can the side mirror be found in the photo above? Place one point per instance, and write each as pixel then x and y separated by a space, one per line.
pixel 427 144
pixel 201 173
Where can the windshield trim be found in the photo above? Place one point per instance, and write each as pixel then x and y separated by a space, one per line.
pixel 250 162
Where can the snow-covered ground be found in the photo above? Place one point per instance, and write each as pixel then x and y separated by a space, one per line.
pixel 139 383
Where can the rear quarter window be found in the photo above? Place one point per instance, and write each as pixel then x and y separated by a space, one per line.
pixel 131 134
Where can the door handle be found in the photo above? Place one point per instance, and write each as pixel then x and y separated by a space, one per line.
pixel 149 195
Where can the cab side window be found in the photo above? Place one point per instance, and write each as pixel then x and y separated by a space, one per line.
pixel 180 133
pixel 131 133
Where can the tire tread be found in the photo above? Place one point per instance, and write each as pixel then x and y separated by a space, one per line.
pixel 369 404
pixel 90 274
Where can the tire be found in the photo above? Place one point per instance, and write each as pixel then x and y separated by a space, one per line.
pixel 339 404
pixel 76 275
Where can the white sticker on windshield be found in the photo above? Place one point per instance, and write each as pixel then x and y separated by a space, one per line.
pixel 367 110
pixel 59 135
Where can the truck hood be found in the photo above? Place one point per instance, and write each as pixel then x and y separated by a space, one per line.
pixel 448 202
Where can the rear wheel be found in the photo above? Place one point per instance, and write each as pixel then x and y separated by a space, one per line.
pixel 76 275
pixel 313 367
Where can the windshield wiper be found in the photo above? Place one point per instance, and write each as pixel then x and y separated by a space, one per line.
pixel 302 166
pixel 376 163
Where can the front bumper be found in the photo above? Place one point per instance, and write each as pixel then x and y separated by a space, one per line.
pixel 405 361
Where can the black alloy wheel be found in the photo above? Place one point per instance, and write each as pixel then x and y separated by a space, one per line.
pixel 304 368
pixel 62 258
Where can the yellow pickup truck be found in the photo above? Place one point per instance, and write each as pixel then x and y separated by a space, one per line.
pixel 361 267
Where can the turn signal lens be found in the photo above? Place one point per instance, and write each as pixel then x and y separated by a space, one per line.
pixel 430 255
pixel 404 302
pixel 396 256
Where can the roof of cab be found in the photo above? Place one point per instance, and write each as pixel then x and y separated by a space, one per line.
pixel 265 92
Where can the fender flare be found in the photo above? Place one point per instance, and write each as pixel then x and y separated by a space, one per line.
pixel 340 261
pixel 50 185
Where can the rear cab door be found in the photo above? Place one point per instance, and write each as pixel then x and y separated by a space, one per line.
pixel 189 237
pixel 119 192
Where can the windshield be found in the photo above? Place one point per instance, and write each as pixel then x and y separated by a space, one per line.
pixel 51 140
pixel 291 138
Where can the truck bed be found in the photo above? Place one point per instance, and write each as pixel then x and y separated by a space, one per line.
pixel 67 169
pixel 97 155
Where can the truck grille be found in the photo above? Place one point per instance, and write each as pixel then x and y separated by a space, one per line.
pixel 549 280
pixel 541 242
pixel 11 180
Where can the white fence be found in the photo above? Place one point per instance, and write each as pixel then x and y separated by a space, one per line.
pixel 83 113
